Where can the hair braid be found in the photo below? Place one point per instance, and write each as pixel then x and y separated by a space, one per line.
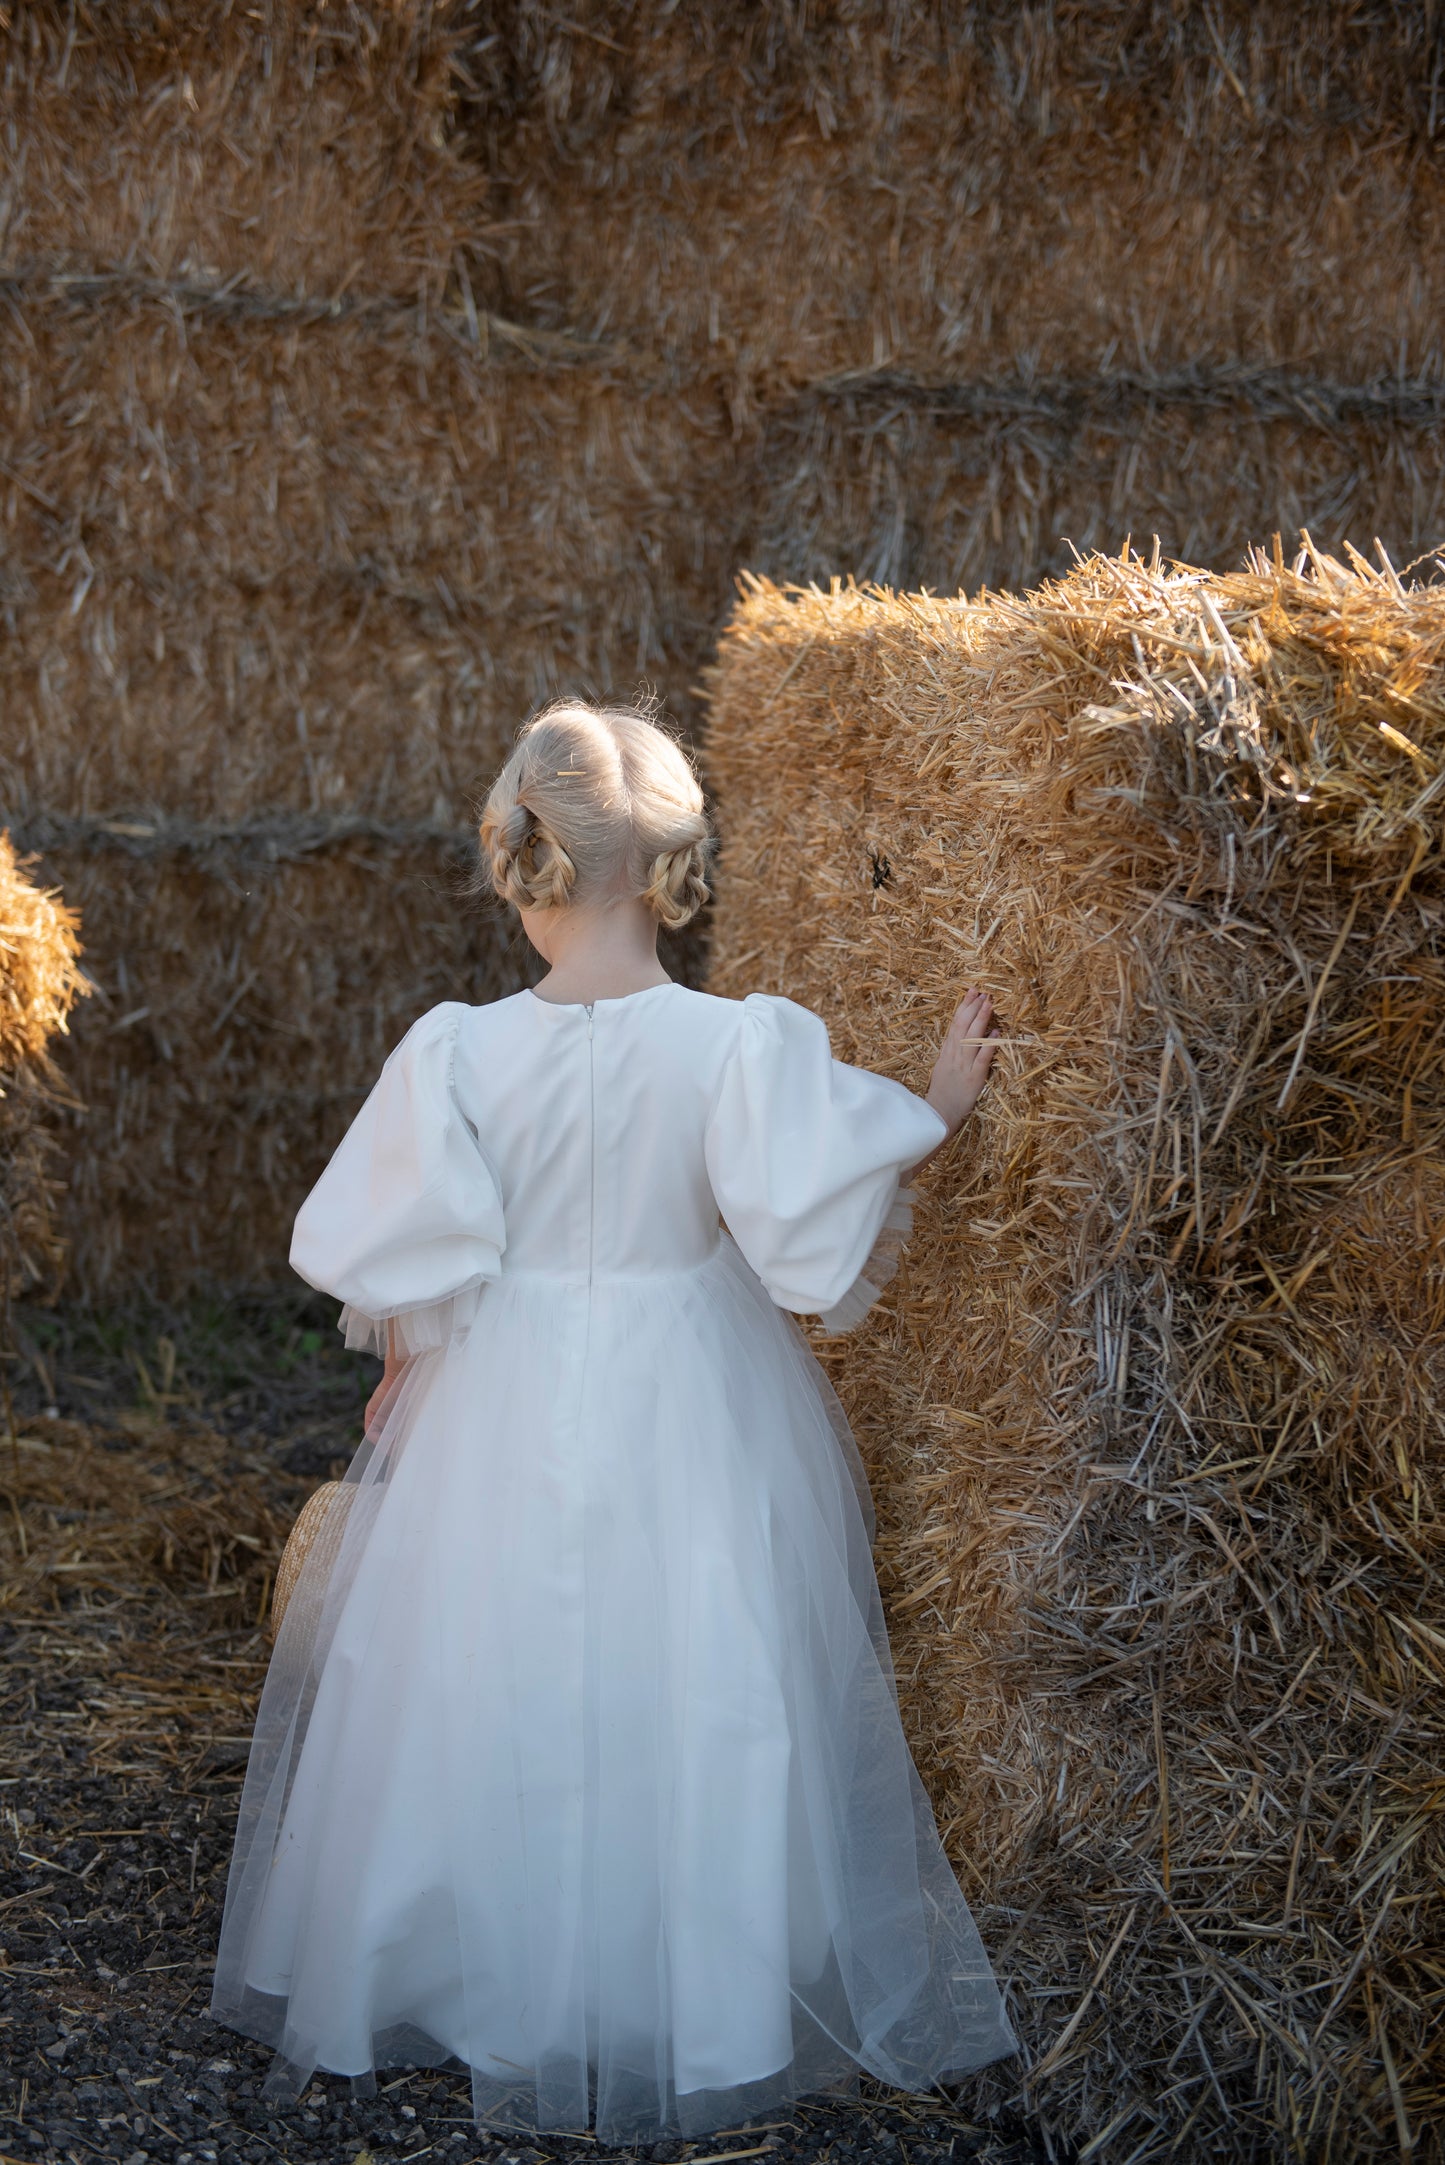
pixel 529 866
pixel 678 886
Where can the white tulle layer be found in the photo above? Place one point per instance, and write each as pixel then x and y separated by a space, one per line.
pixel 880 1267
pixel 415 1330
pixel 581 1765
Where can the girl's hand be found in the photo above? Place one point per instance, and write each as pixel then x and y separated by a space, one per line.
pixel 961 1069
pixel 964 1059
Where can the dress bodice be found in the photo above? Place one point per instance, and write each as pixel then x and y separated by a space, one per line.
pixel 608 1139
pixel 593 1120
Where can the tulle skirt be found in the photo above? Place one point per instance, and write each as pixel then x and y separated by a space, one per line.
pixel 578 1763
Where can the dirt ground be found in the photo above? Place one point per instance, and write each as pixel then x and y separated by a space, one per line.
pixel 152 1465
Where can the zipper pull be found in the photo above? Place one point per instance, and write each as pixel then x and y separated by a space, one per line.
pixel 589 1021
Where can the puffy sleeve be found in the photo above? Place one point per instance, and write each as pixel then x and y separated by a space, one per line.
pixel 405 1225
pixel 805 1155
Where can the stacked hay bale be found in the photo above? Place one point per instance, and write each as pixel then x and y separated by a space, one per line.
pixel 1156 1407
pixel 295 534
pixel 375 372
pixel 976 281
pixel 39 982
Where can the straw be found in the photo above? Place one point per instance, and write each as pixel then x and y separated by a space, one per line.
pixel 39 983
pixel 1155 1406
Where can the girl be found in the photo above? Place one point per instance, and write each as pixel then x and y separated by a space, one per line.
pixel 579 1758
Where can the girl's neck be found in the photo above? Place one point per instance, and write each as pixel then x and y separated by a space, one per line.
pixel 596 954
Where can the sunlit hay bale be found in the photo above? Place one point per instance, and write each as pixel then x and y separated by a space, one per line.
pixel 1156 1405
pixel 39 981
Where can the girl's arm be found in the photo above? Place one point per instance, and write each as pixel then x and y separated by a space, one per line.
pixel 395 1363
pixel 961 1069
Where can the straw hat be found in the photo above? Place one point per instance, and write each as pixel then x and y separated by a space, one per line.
pixel 318 1531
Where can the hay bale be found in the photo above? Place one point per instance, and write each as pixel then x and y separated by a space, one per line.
pixel 1157 1403
pixel 251 999
pixel 374 373
pixel 39 982
pixel 1057 276
pixel 295 537
pixel 912 490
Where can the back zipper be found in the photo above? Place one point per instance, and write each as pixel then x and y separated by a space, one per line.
pixel 591 1147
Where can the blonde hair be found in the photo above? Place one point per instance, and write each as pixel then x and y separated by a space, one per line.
pixel 594 801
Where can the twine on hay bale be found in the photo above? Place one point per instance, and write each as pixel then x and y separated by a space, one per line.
pixel 1156 1406
pixel 39 982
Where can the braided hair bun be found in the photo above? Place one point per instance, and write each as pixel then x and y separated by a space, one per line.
pixel 677 888
pixel 595 802
pixel 529 867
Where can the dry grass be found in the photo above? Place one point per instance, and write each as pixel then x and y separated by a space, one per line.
pixel 1156 1406
pixel 372 372
pixel 39 981
pixel 178 1524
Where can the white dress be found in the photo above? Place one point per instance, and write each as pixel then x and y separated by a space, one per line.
pixel 579 1761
